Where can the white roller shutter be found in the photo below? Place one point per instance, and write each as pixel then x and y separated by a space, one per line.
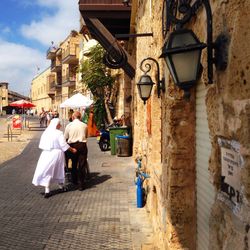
pixel 205 192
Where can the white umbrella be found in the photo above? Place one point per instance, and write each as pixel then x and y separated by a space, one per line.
pixel 77 101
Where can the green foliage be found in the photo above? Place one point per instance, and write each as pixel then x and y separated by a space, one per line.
pixel 97 79
pixel 99 113
pixel 94 72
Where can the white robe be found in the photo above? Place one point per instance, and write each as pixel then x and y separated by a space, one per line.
pixel 50 166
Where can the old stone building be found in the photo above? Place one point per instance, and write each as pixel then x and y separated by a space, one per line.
pixel 70 61
pixel 196 150
pixel 7 96
pixel 3 95
pixel 62 79
pixel 40 87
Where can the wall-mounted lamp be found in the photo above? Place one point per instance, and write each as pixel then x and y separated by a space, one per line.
pixel 182 50
pixel 145 83
pixel 182 54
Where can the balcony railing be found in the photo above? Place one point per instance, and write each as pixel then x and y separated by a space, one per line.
pixel 55 85
pixel 50 80
pixel 52 86
pixel 56 65
pixel 70 54
pixel 51 52
pixel 68 80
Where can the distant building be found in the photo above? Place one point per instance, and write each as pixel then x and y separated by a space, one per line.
pixel 7 96
pixel 40 90
pixel 3 95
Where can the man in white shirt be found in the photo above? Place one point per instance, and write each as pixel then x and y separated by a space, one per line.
pixel 76 133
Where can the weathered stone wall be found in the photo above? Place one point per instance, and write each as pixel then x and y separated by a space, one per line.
pixel 164 130
pixel 164 138
pixel 127 101
pixel 147 119
pixel 178 179
pixel 228 108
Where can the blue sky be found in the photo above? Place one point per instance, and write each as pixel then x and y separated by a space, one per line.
pixel 27 28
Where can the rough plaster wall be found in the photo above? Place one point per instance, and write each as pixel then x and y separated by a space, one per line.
pixel 127 100
pixel 147 47
pixel 178 177
pixel 228 107
pixel 147 118
pixel 171 187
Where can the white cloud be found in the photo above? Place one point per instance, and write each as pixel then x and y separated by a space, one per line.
pixel 55 27
pixel 19 65
pixel 6 30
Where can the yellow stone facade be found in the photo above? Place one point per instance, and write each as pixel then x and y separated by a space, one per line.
pixel 3 95
pixel 39 91
pixel 61 80
pixel 164 131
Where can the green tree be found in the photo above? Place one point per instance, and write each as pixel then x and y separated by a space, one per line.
pixel 97 78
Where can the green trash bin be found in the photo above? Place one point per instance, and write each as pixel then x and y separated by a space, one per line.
pixel 113 132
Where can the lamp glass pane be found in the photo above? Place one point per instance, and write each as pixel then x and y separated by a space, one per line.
pixel 186 65
pixel 145 90
pixel 182 40
pixel 170 68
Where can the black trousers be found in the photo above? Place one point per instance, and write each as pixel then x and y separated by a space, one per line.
pixel 79 162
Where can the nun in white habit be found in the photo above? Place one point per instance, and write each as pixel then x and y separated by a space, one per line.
pixel 50 166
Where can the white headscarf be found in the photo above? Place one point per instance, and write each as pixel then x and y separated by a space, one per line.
pixel 48 136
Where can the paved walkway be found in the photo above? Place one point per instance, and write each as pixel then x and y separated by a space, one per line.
pixel 103 216
pixel 11 147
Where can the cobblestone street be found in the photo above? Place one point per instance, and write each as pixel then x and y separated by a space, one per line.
pixel 103 216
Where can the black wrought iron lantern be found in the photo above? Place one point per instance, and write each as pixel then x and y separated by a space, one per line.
pixel 182 53
pixel 145 83
pixel 145 86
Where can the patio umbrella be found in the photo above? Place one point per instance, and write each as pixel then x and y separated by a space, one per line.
pixel 77 101
pixel 22 104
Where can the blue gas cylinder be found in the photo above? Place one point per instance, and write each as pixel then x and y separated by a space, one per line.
pixel 139 192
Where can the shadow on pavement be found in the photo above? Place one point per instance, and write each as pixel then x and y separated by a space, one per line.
pixel 95 178
pixel 92 181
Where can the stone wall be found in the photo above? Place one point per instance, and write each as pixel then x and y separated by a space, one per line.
pixel 164 131
pixel 147 119
pixel 3 95
pixel 39 90
pixel 228 108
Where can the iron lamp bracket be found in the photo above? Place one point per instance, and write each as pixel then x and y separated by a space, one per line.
pixel 146 67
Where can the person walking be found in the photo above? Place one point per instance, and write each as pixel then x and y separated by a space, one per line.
pixel 76 133
pixel 50 166
pixel 43 118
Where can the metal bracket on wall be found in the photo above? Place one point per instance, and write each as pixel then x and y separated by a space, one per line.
pixel 221 47
pixel 132 35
